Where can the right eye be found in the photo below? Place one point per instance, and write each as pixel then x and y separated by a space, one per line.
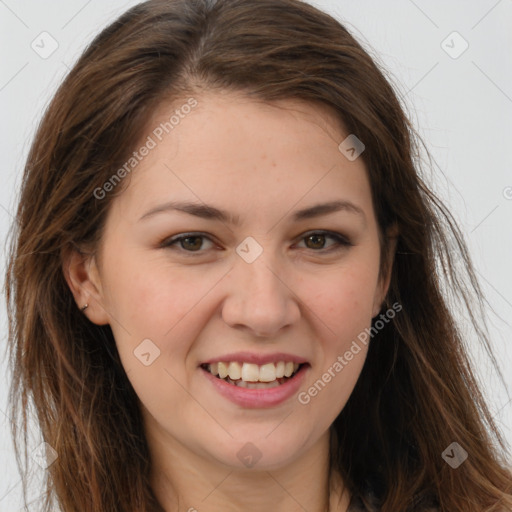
pixel 188 242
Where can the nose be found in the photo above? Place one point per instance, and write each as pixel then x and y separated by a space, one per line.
pixel 259 300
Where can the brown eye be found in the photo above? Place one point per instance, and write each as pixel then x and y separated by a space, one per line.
pixel 316 241
pixel 189 242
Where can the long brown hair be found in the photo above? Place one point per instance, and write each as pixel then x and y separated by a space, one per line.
pixel 416 394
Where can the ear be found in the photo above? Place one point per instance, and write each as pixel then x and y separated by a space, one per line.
pixel 391 238
pixel 83 278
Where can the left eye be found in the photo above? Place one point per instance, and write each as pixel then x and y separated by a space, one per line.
pixel 316 241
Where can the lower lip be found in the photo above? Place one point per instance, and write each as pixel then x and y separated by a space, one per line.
pixel 258 398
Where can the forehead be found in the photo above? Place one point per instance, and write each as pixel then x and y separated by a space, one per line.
pixel 246 153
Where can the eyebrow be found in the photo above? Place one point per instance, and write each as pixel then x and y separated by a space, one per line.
pixel 209 212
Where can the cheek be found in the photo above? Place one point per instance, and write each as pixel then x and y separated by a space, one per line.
pixel 344 299
pixel 343 310
pixel 148 293
pixel 157 301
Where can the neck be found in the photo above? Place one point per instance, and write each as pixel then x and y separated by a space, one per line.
pixel 184 481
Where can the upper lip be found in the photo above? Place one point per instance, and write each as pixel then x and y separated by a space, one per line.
pixel 259 359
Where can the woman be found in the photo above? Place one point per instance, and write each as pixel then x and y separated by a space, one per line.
pixel 225 284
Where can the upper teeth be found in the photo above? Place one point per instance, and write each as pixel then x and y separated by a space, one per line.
pixel 249 372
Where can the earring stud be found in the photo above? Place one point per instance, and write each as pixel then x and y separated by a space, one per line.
pixel 84 307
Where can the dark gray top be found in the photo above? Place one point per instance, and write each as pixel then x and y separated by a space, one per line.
pixel 357 505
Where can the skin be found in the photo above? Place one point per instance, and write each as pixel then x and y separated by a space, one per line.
pixel 260 162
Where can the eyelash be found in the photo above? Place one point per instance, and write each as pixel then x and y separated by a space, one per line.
pixel 342 242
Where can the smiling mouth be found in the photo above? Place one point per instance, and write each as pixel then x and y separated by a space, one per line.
pixel 253 376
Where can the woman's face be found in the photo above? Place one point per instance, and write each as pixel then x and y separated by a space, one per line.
pixel 278 262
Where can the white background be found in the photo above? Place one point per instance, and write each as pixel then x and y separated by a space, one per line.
pixel 461 106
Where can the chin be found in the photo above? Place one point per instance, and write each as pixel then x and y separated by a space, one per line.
pixel 265 452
